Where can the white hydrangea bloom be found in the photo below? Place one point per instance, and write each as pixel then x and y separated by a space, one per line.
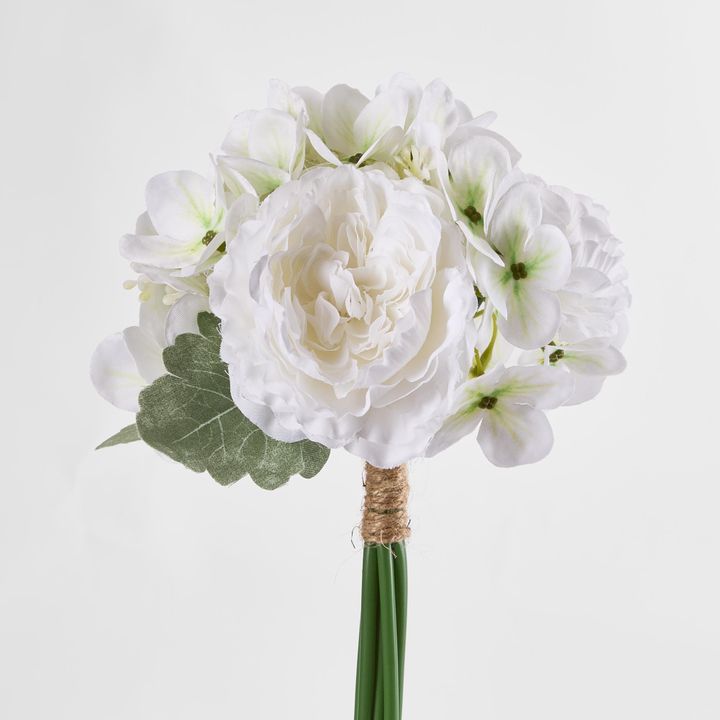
pixel 181 231
pixel 507 403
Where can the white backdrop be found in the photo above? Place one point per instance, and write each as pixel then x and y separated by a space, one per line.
pixel 585 587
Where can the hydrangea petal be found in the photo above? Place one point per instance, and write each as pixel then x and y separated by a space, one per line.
pixel 274 139
pixel 547 257
pixel 540 386
pixel 515 435
pixel 341 107
pixel 532 317
pixel 115 375
pixel 181 205
pixel 160 251
pixel 516 216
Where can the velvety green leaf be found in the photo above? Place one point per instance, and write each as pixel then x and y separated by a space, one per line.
pixel 190 416
pixel 126 435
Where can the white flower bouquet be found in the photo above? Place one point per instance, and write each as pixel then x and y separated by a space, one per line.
pixel 373 274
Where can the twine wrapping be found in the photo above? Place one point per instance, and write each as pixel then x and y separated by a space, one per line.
pixel 385 517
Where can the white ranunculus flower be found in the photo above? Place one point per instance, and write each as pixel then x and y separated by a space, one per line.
pixel 124 363
pixel 346 312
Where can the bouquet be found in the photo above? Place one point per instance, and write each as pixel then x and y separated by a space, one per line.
pixel 374 274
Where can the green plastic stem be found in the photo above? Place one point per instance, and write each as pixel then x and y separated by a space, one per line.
pixel 388 634
pixel 368 646
pixel 401 595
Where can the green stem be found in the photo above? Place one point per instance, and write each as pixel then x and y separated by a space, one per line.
pixel 378 700
pixel 368 647
pixel 401 595
pixel 388 634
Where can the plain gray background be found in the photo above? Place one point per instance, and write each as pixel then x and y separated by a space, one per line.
pixel 585 587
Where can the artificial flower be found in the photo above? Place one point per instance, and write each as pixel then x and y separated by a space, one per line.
pixel 262 150
pixel 346 304
pixel 534 263
pixel 181 231
pixel 507 404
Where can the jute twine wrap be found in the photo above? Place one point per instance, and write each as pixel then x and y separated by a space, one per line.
pixel 385 517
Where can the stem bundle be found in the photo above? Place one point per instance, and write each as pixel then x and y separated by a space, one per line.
pixel 383 616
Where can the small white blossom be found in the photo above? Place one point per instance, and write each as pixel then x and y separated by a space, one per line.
pixel 535 262
pixel 589 362
pixel 507 404
pixel 181 230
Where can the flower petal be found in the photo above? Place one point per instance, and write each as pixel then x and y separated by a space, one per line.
pixel 586 388
pixel 597 359
pixel 385 111
pixel 273 139
pixel 262 177
pixel 114 373
pixel 542 386
pixel 181 205
pixel 321 148
pixel 477 165
pixel 236 140
pixel 548 258
pixel 160 251
pixel 146 352
pixel 491 279
pixel 532 317
pixel 516 216
pixel 341 107
pixel 182 317
pixel 515 435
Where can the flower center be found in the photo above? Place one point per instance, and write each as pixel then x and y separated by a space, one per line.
pixel 207 238
pixel 473 214
pixel 487 402
pixel 518 270
pixel 556 355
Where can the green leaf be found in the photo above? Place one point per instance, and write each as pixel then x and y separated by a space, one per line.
pixel 189 415
pixel 126 435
